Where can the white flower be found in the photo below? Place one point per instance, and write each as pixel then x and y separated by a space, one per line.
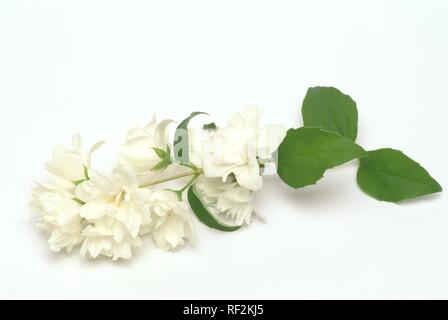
pixel 59 216
pixel 172 223
pixel 113 211
pixel 99 241
pixel 238 147
pixel 197 138
pixel 54 200
pixel 228 198
pixel 107 214
pixel 138 153
pixel 69 165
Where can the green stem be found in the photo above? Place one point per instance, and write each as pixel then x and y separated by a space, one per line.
pixel 195 173
pixel 79 201
pixel 189 165
pixel 193 179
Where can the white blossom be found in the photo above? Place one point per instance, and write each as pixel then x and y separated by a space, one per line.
pixel 113 212
pixel 137 152
pixel 69 166
pixel 99 240
pixel 58 216
pixel 172 223
pixel 228 198
pixel 238 147
pixel 106 215
pixel 54 200
pixel 197 138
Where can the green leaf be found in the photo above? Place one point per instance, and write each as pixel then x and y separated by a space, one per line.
pixel 86 175
pixel 204 215
pixel 162 165
pixel 160 153
pixel 181 144
pixel 262 168
pixel 306 153
pixel 78 182
pixel 166 159
pixel 210 126
pixel 330 109
pixel 168 154
pixel 390 175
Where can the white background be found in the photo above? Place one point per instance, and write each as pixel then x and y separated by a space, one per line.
pixel 97 67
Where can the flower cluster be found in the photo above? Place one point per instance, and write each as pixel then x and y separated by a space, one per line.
pixel 219 169
pixel 108 214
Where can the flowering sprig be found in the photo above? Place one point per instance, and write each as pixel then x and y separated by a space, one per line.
pixel 221 169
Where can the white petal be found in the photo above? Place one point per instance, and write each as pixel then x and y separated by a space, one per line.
pixel 138 154
pixel 238 194
pixel 66 164
pixel 131 219
pixel 58 183
pixel 69 219
pixel 92 150
pixel 161 134
pixel 122 251
pixel 93 211
pixel 151 127
pixel 249 177
pixel 249 118
pixel 124 176
pixel 137 132
pixel 269 138
pixel 197 138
